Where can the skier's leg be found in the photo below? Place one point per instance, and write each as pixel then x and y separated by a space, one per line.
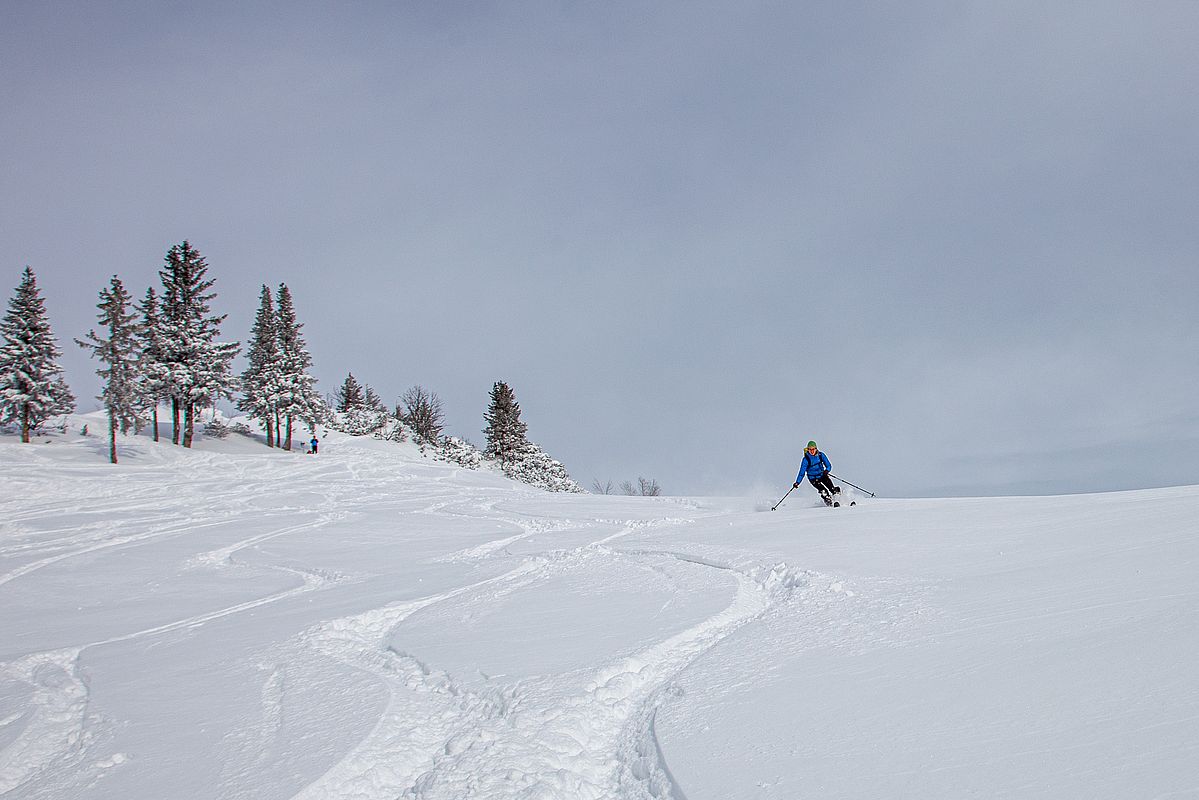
pixel 828 484
pixel 822 491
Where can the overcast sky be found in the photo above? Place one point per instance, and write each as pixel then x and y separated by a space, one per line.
pixel 955 243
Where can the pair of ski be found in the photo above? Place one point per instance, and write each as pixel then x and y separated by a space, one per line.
pixel 830 500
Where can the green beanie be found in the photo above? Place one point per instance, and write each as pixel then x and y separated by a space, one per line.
pixel 811 444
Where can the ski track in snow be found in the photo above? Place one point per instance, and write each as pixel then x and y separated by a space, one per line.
pixel 579 735
pixel 582 734
pixel 55 735
pixel 235 505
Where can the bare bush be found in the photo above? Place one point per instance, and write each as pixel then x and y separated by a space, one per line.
pixel 422 412
pixel 645 487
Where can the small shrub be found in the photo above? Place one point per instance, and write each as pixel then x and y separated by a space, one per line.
pixel 217 428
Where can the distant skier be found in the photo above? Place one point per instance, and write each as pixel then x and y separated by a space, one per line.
pixel 314 444
pixel 816 467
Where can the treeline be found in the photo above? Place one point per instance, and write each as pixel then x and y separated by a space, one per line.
pixel 166 351
pixel 359 411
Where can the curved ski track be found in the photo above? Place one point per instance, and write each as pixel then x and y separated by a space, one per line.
pixel 583 734
pixel 55 733
pixel 587 734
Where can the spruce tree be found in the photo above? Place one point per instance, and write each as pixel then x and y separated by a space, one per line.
pixel 372 401
pixel 260 383
pixel 298 398
pixel 199 365
pixel 361 412
pixel 32 389
pixel 118 351
pixel 349 396
pixel 505 432
pixel 154 374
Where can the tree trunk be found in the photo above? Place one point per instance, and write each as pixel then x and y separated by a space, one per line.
pixel 155 414
pixel 270 432
pixel 175 420
pixel 287 443
pixel 278 430
pixel 25 423
pixel 112 436
pixel 189 422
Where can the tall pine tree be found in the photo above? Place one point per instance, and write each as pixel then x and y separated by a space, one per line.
pixel 350 396
pixel 118 351
pixel 155 375
pixel 372 401
pixel 199 365
pixel 32 389
pixel 505 432
pixel 297 397
pixel 261 379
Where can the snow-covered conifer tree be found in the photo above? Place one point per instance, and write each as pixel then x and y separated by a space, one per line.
pixel 361 412
pixel 505 432
pixel 119 353
pixel 32 389
pixel 349 396
pixel 154 374
pixel 298 398
pixel 517 457
pixel 199 365
pixel 372 401
pixel 260 380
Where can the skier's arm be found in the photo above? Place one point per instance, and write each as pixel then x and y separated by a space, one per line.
pixel 803 470
pixel 828 465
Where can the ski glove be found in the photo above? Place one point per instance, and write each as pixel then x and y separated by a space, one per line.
pixel 795 485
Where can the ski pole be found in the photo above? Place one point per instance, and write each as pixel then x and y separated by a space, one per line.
pixel 854 485
pixel 784 497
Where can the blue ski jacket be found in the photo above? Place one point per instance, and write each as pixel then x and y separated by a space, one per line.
pixel 813 466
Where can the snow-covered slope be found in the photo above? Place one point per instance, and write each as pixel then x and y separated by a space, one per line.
pixel 235 622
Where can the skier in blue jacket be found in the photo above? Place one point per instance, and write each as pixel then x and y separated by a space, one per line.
pixel 816 467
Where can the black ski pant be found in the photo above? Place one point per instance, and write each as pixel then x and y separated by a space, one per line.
pixel 824 485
